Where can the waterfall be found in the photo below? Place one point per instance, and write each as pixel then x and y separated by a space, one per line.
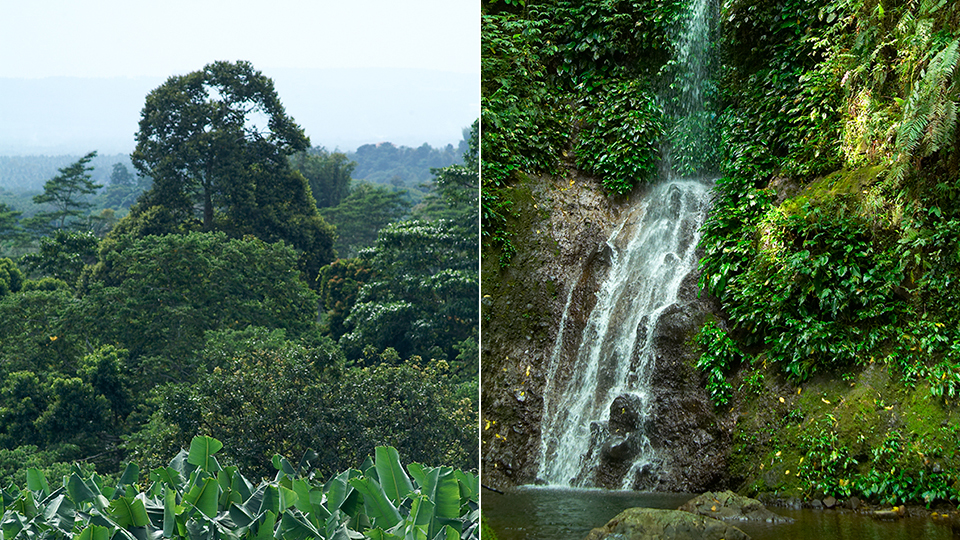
pixel 596 402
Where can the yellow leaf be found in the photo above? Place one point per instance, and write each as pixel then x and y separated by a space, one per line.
pixel 827 401
pixel 781 400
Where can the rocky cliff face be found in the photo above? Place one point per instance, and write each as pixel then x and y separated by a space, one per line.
pixel 562 226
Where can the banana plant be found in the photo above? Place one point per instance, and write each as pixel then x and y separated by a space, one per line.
pixel 195 498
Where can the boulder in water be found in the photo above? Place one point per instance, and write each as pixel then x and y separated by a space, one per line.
pixel 727 505
pixel 655 524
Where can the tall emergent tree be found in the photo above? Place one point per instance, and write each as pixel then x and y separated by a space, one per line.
pixel 216 143
pixel 66 193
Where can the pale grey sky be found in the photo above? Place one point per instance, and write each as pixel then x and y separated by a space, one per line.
pixel 108 38
pixel 435 45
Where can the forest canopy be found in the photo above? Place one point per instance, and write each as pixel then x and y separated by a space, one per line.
pixel 211 306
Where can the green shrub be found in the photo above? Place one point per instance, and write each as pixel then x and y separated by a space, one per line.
pixel 718 355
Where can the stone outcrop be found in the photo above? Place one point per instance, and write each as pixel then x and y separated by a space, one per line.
pixel 729 506
pixel 562 226
pixel 654 524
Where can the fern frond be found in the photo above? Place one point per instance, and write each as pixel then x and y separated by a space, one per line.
pixel 929 120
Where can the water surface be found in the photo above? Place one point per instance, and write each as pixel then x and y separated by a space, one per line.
pixel 531 513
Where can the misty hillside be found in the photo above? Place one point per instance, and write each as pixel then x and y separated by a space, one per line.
pixel 382 163
pixel 28 173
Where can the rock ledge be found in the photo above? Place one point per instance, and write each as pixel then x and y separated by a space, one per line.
pixel 655 524
pixel 729 506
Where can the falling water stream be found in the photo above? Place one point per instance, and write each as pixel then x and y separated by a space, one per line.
pixel 650 253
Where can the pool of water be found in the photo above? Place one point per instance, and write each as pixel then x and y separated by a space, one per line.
pixel 532 513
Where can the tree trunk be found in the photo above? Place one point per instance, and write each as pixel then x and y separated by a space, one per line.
pixel 207 209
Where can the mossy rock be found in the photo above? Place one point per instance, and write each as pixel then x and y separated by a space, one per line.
pixel 656 524
pixel 849 184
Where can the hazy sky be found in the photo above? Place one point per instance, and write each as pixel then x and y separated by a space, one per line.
pixel 296 39
pixel 105 38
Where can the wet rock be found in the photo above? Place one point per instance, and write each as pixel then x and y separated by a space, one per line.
pixel 655 524
pixel 852 503
pixel 684 429
pixel 618 448
pixel 793 502
pixel 784 187
pixel 894 513
pixel 816 504
pixel 829 502
pixel 625 413
pixel 676 323
pixel 727 505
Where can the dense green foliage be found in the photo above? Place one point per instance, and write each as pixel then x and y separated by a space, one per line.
pixel 340 281
pixel 718 358
pixel 11 278
pixel 124 187
pixel 571 83
pixel 422 298
pixel 195 497
pixel 181 318
pixel 833 276
pixel 63 255
pixel 327 173
pixel 360 215
pixel 832 243
pixel 262 394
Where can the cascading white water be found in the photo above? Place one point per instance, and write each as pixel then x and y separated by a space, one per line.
pixel 650 252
